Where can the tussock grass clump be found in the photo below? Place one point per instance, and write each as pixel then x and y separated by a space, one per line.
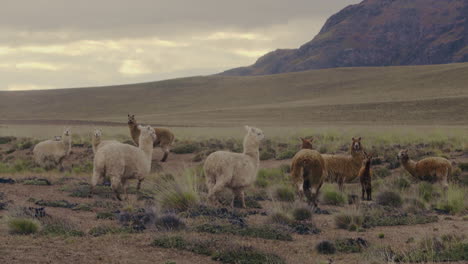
pixel 264 232
pixel 351 221
pixel 389 198
pixel 426 191
pixel 23 226
pixel 332 197
pixel 267 176
pixel 302 213
pixel 326 248
pixel 401 183
pixel 456 201
pixel 179 193
pixel 284 194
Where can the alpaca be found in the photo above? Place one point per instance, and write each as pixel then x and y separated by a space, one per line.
pixel 365 177
pixel 96 140
pixel 432 169
pixel 307 172
pixel 344 168
pixel 236 171
pixel 50 153
pixel 165 137
pixel 122 162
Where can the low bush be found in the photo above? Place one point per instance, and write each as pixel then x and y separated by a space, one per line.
pixel 331 197
pixel 284 194
pixel 286 154
pixel 326 247
pixel 302 213
pixel 381 172
pixel 351 245
pixel 456 201
pixel 184 147
pixel 59 227
pixel 389 198
pixel 350 221
pixel 169 222
pixel 426 191
pixel 23 226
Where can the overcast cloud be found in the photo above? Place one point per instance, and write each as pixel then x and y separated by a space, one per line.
pixel 60 43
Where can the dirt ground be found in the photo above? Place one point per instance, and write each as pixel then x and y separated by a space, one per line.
pixel 135 248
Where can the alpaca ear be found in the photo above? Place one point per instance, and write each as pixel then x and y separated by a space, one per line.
pixel 301 139
pixel 247 128
pixel 311 140
pixel 353 139
pixel 359 139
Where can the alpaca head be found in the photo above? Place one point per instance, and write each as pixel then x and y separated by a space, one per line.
pixel 147 133
pixel 131 119
pixel 254 134
pixel 356 145
pixel 367 159
pixel 403 155
pixel 67 132
pixel 306 143
pixel 97 133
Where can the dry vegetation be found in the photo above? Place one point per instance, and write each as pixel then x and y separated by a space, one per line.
pixel 170 221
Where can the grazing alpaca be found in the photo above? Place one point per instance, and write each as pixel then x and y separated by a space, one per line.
pixel 122 162
pixel 164 140
pixel 433 169
pixel 236 171
pixel 307 172
pixel 344 168
pixel 50 153
pixel 365 177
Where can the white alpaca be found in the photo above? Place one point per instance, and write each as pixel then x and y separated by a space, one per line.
pixel 235 171
pixel 97 141
pixel 50 153
pixel 122 162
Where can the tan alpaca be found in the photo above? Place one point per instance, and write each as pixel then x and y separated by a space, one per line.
pixel 122 162
pixel 50 153
pixel 365 177
pixel 235 171
pixel 344 168
pixel 433 169
pixel 164 140
pixel 96 140
pixel 307 172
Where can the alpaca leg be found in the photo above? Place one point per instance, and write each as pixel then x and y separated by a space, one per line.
pixel 219 186
pixel 242 196
pixel 300 189
pixel 116 185
pixel 139 185
pixel 363 192
pixel 369 194
pixel 166 154
pixel 317 194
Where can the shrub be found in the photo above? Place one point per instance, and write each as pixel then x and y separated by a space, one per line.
pixel 169 222
pixel 349 221
pixel 389 198
pixel 281 218
pixel 287 154
pixel 463 166
pixel 23 226
pixel 284 194
pixel 106 215
pixel 331 197
pixel 350 245
pixel 381 172
pixel 59 227
pixel 326 247
pixel 5 140
pixel 425 191
pixel 265 176
pixel 455 202
pixel 267 154
pixel 381 235
pixel 185 148
pixel 302 213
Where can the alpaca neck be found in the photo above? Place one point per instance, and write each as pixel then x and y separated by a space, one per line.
pixel 96 141
pixel 134 132
pixel 251 149
pixel 66 141
pixel 357 156
pixel 410 166
pixel 147 146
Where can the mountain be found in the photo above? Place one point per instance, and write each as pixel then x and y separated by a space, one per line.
pixel 378 33
pixel 422 95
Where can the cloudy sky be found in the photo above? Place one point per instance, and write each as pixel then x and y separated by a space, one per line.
pixel 76 43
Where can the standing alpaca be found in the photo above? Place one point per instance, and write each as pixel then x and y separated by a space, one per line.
pixel 344 168
pixel 307 172
pixel 165 137
pixel 97 141
pixel 122 162
pixel 236 171
pixel 50 153
pixel 365 176
pixel 432 169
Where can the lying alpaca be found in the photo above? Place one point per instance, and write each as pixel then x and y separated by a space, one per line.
pixel 236 171
pixel 344 168
pixel 433 169
pixel 50 153
pixel 122 162
pixel 365 177
pixel 307 172
pixel 165 137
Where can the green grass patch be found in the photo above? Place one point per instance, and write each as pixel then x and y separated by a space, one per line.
pixel 332 197
pixel 23 226
pixel 60 227
pixel 284 194
pixel 456 201
pixel 267 176
pixel 349 221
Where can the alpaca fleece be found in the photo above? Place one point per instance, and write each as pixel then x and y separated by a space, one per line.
pixel 50 153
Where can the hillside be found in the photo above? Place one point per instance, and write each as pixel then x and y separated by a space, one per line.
pixel 435 94
pixel 378 33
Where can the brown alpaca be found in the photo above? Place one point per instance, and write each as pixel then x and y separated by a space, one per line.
pixel 344 168
pixel 164 139
pixel 307 172
pixel 432 169
pixel 365 176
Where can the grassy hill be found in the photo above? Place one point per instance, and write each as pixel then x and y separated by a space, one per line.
pixel 420 95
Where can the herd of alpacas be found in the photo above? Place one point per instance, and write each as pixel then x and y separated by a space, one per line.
pixel 121 162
